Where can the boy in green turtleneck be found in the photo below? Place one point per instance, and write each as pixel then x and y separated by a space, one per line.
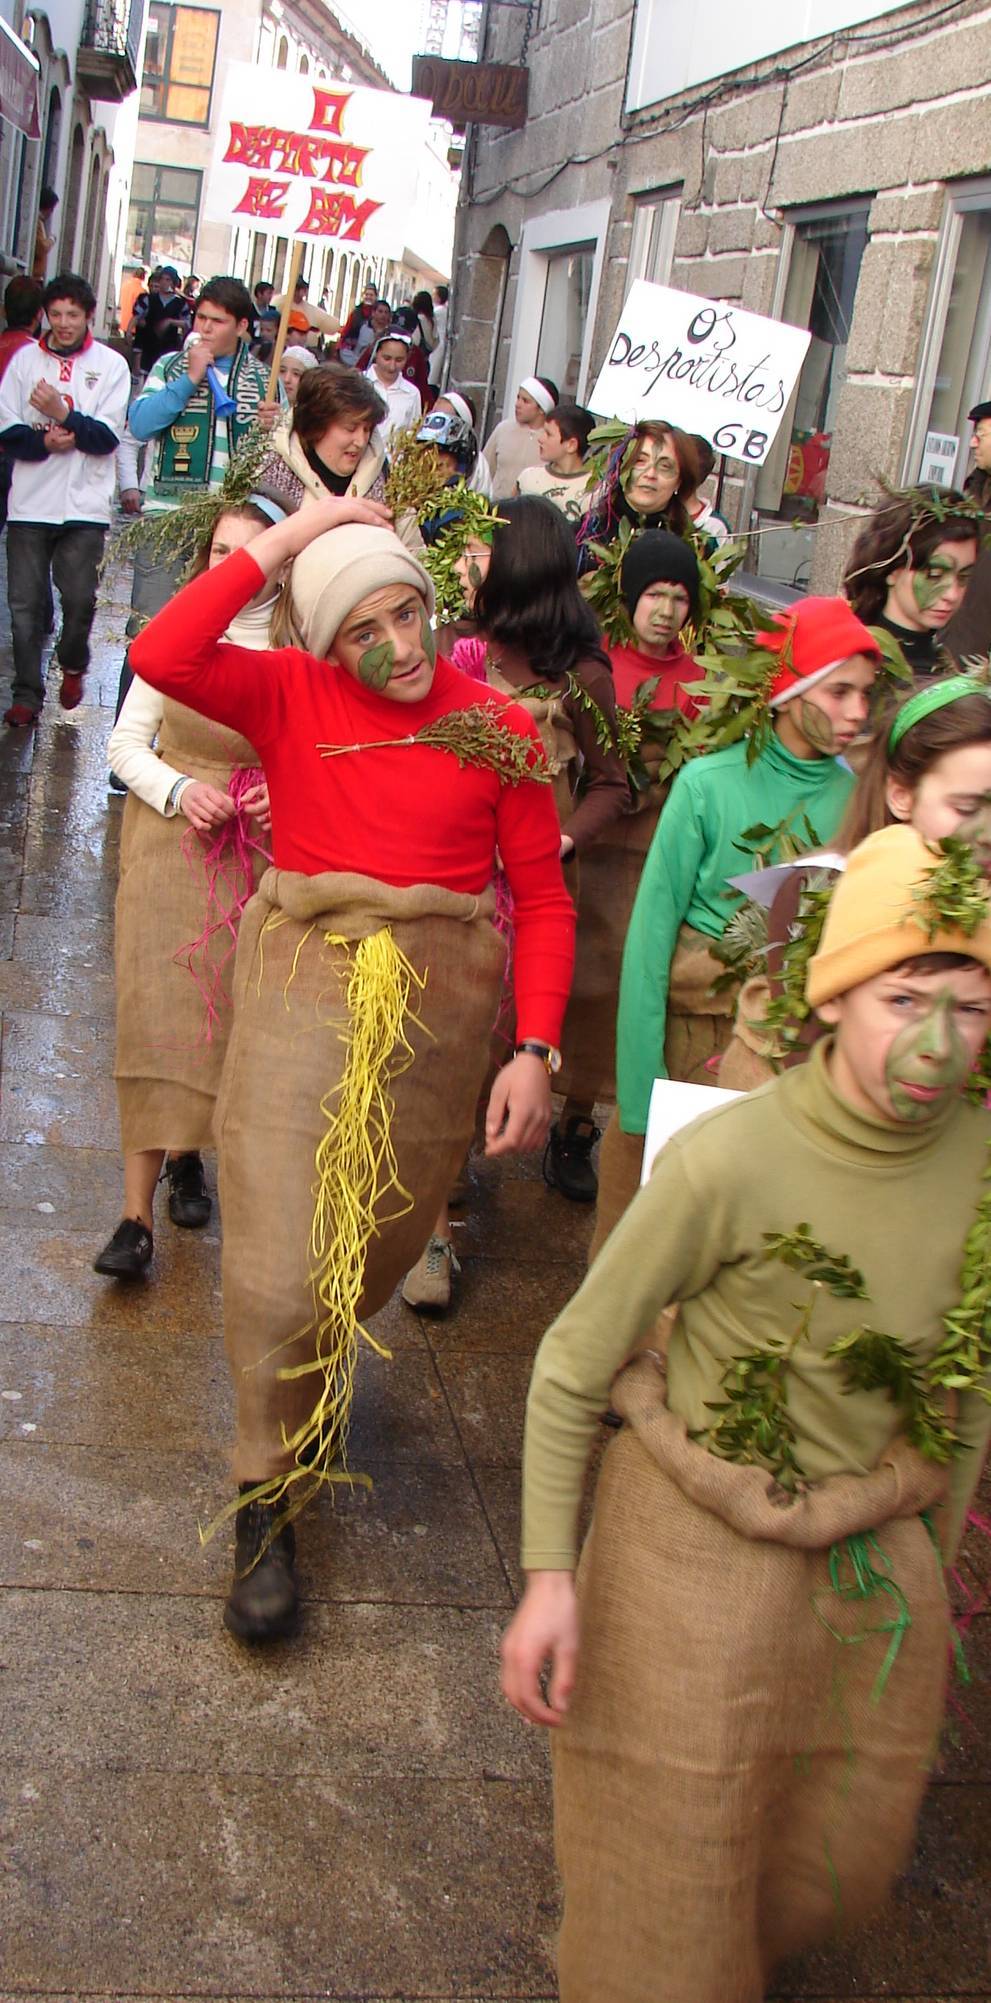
pixel 758 1686
pixel 670 1022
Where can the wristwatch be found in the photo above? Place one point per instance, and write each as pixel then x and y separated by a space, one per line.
pixel 550 1057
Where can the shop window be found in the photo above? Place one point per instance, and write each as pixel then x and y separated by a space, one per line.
pixel 827 248
pixel 567 291
pixel 163 215
pixel 655 227
pixel 180 54
pixel 955 365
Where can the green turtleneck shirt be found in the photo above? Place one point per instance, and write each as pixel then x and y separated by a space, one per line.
pixel 698 845
pixel 898 1201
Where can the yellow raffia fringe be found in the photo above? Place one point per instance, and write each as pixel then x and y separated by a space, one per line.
pixel 355 1169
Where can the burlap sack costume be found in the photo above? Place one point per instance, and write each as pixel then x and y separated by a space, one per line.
pixel 362 1018
pixel 698 1028
pixel 770 1789
pixel 173 1004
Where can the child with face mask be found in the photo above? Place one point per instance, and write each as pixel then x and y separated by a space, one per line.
pixel 790 1478
pixel 670 1021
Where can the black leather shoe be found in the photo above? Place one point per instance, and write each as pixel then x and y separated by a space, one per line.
pixel 128 1253
pixel 190 1204
pixel 568 1160
pixel 264 1602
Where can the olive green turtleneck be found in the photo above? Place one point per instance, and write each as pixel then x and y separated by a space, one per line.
pixel 898 1201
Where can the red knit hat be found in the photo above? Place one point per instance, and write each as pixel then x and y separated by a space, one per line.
pixel 814 637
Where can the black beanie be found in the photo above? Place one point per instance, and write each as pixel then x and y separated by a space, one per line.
pixel 658 557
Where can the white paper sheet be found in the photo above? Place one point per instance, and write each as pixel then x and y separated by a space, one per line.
pixel 674 1105
pixel 762 885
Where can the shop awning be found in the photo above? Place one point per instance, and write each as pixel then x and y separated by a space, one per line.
pixel 19 73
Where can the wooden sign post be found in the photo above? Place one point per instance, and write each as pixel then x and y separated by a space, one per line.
pixel 287 304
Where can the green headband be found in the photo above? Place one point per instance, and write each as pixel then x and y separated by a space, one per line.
pixel 952 690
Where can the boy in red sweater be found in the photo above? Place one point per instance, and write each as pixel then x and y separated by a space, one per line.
pixel 367 979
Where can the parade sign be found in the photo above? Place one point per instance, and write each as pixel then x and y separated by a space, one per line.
pixel 294 157
pixel 703 365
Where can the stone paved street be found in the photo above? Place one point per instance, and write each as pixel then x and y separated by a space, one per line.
pixel 355 1815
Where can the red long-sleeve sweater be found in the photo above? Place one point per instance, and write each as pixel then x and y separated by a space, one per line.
pixel 404 814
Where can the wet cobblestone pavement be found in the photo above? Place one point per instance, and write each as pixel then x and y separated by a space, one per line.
pixel 354 1815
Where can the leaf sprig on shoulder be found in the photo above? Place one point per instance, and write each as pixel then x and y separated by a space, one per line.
pixel 963 1359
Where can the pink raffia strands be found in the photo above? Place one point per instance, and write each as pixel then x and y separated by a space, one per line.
pixel 227 858
pixel 470 657
pixel 503 922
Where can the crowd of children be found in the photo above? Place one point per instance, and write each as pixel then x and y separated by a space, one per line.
pixel 370 885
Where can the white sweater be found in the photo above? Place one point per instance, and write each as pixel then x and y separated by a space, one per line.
pixel 129 752
pixel 65 486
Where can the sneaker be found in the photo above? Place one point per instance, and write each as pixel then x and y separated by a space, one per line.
pixel 263 1603
pixel 190 1204
pixel 20 717
pixel 70 694
pixel 128 1253
pixel 568 1160
pixel 428 1285
pixel 115 785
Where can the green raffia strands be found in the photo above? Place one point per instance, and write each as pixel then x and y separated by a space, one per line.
pixel 860 1571
pixel 955 894
pixel 476 516
pixel 171 534
pixel 473 737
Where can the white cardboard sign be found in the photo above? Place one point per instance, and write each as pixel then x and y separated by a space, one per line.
pixel 674 1105
pixel 703 365
pixel 295 156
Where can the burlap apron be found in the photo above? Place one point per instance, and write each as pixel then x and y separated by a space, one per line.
pixel 746 1060
pixel 733 1781
pixel 303 1131
pixel 173 1006
pixel 610 877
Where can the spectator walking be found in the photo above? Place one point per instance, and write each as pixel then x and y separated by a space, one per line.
pixel 379 320
pixel 562 475
pixel 166 320
pixel 44 236
pixel 358 320
pixel 22 311
pixel 63 403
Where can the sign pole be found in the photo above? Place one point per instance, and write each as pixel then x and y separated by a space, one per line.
pixel 720 481
pixel 287 304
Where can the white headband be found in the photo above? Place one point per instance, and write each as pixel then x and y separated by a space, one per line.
pixel 532 387
pixel 459 407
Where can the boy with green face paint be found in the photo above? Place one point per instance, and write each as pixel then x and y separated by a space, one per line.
pixel 750 1704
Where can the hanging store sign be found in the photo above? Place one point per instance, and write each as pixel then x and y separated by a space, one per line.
pixel 297 158
pixel 703 365
pixel 473 93
pixel 19 73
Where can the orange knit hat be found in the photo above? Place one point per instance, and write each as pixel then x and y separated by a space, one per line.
pixel 812 638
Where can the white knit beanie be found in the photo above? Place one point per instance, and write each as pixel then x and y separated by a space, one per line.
pixel 341 568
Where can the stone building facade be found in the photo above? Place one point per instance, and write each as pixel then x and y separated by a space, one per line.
pixel 843 183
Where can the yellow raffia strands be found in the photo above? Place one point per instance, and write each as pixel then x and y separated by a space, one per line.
pixel 356 1169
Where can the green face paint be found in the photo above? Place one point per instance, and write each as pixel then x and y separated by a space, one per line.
pixel 975 830
pixel 474 574
pixel 929 584
pixel 375 665
pixel 927 1062
pixel 427 638
pixel 817 728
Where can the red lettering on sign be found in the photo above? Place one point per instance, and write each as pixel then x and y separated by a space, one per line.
pixel 263 198
pixel 332 214
pixel 277 151
pixel 328 111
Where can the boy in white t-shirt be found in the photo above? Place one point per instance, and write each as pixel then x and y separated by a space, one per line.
pixel 562 476
pixel 63 406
